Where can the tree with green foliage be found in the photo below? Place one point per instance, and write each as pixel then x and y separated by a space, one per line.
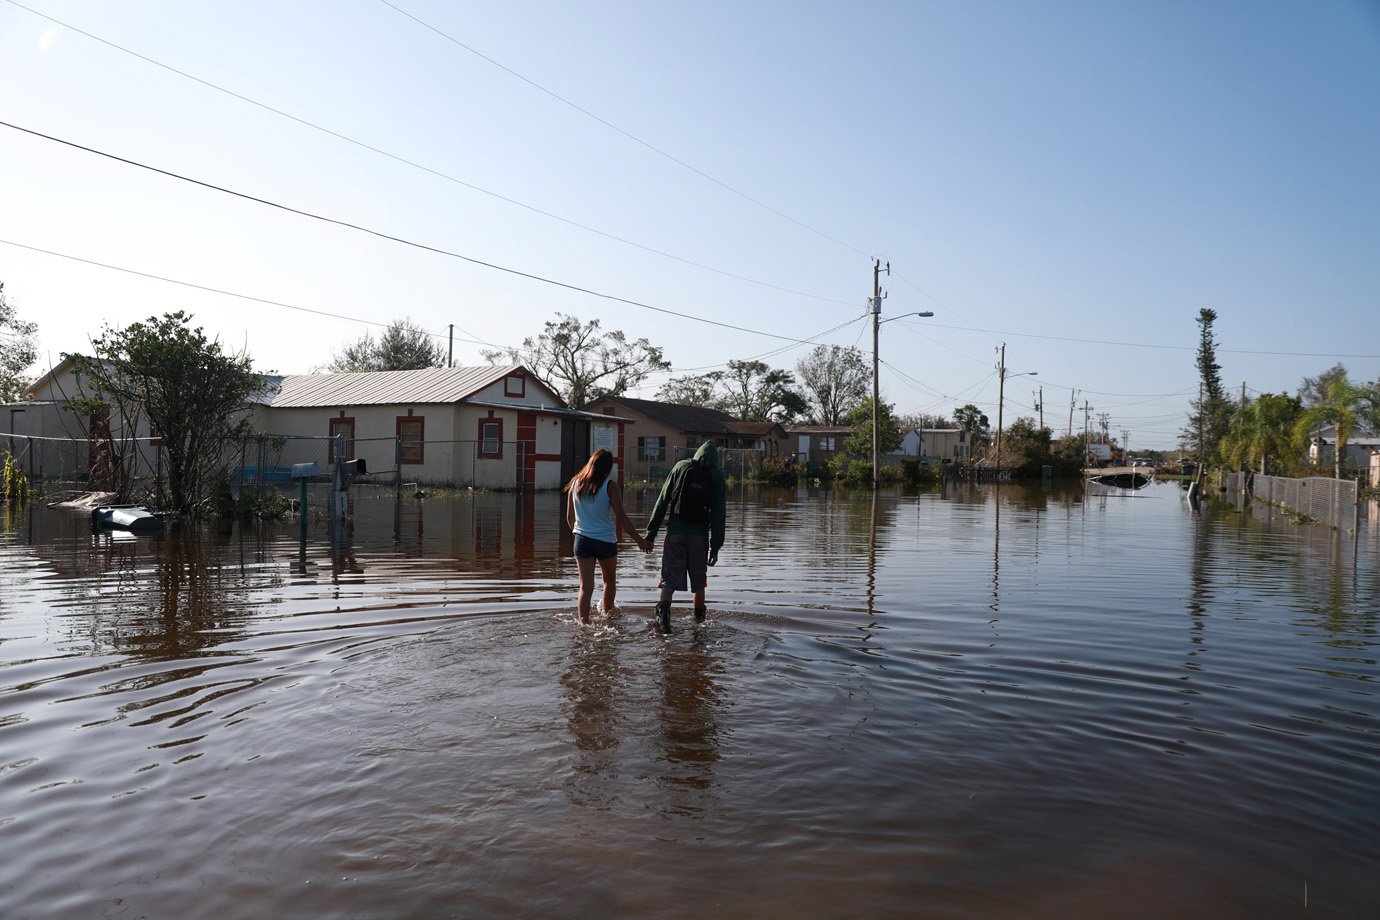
pixel 1343 405
pixel 402 346
pixel 756 392
pixel 1025 447
pixel 18 349
pixel 1211 415
pixel 748 390
pixel 1262 430
pixel 193 394
pixel 972 420
pixel 859 440
pixel 835 379
pixel 690 390
pixel 581 362
pixel 1313 390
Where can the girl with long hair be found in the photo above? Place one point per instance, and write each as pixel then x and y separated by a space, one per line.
pixel 594 511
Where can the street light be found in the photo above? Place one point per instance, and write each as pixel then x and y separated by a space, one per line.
pixel 1001 396
pixel 876 396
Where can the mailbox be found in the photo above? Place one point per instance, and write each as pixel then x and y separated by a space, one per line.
pixel 305 470
pixel 353 467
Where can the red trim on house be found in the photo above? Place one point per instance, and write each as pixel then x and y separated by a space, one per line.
pixel 480 434
pixel 519 390
pixel 527 437
pixel 618 460
pixel 421 436
pixel 547 458
pixel 331 432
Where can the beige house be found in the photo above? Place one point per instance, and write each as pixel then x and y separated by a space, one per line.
pixel 51 441
pixel 935 444
pixel 659 433
pixel 819 443
pixel 489 427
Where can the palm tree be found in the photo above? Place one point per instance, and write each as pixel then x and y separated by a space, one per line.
pixel 1260 430
pixel 1344 402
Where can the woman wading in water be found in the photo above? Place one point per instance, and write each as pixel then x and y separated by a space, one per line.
pixel 594 511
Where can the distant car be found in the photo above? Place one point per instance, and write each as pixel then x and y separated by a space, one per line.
pixel 1141 461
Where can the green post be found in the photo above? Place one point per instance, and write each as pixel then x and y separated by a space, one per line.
pixel 302 507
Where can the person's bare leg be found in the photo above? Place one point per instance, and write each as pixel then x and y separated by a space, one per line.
pixel 609 568
pixel 586 567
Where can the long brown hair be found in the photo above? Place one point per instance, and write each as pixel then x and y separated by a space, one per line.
pixel 589 479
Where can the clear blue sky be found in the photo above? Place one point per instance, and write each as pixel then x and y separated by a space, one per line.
pixel 1076 180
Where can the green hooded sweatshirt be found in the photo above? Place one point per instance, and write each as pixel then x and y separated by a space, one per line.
pixel 708 455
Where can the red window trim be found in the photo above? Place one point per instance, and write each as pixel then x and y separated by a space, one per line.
pixel 508 389
pixel 421 438
pixel 480 448
pixel 349 440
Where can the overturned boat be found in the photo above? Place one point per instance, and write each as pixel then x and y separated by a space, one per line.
pixel 134 518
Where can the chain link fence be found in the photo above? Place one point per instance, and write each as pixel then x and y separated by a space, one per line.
pixel 262 462
pixel 1326 501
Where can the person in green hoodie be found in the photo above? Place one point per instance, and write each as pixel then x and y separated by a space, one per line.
pixel 692 503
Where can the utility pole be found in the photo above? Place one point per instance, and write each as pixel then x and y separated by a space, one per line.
pixel 1073 401
pixel 876 394
pixel 1087 450
pixel 450 349
pixel 1001 388
pixel 1126 448
pixel 1040 406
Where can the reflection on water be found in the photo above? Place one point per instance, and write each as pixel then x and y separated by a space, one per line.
pixel 992 701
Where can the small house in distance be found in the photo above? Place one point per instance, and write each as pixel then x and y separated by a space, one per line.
pixel 930 444
pixel 819 443
pixel 490 427
pixel 660 433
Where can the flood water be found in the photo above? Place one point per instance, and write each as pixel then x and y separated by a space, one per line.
pixel 965 704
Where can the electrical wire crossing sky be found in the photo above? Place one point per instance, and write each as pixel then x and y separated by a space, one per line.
pixel 1073 182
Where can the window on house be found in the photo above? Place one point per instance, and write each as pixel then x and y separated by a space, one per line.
pixel 491 438
pixel 411 438
pixel 341 427
pixel 826 442
pixel 652 450
pixel 514 385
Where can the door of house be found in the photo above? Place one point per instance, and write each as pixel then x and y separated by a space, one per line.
pixel 574 447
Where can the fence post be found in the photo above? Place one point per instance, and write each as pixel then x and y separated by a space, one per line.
pixel 397 466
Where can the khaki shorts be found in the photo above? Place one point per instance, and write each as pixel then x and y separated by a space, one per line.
pixel 684 555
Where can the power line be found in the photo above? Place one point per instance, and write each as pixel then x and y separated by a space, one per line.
pixel 1234 351
pixel 427 169
pixel 610 125
pixel 406 242
pixel 212 290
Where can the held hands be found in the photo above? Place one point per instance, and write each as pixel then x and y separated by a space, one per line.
pixel 643 543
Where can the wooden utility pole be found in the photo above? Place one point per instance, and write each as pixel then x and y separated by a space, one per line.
pixel 1040 406
pixel 450 348
pixel 876 389
pixel 1001 389
pixel 1073 401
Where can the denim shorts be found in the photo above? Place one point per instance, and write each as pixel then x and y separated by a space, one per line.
pixel 590 548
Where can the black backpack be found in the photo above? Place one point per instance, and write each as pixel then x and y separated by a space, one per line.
pixel 692 493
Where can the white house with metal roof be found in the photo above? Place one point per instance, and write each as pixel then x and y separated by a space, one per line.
pixel 487 427
pixel 490 427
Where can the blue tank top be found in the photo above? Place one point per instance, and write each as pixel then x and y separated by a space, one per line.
pixel 594 515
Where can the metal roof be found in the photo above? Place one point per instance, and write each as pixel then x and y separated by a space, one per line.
pixel 432 385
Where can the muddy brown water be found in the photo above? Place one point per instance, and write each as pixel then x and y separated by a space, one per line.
pixel 969 703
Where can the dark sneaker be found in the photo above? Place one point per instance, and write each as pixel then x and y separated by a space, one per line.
pixel 700 614
pixel 663 617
